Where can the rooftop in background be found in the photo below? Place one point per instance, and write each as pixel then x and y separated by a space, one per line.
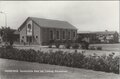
pixel 49 23
pixel 84 32
pixel 97 32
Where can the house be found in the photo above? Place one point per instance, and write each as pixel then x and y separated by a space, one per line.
pixel 86 36
pixel 108 36
pixel 100 36
pixel 41 31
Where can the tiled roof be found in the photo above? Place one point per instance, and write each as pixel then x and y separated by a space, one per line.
pixel 48 23
pixel 52 23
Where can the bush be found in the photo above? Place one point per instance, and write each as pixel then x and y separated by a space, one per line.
pixel 51 42
pixel 99 48
pixel 9 47
pixel 75 46
pixel 95 48
pixel 85 45
pixel 92 48
pixel 50 46
pixel 68 44
pixel 75 59
pixel 57 43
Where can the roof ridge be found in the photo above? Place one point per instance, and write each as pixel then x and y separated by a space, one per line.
pixel 48 19
pixel 51 23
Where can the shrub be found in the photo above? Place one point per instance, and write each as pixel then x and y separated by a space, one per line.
pixel 51 43
pixel 95 48
pixel 99 48
pixel 92 48
pixel 68 44
pixel 50 46
pixel 75 46
pixel 75 59
pixel 84 45
pixel 9 47
pixel 57 43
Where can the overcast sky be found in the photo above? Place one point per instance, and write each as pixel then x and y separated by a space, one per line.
pixel 85 15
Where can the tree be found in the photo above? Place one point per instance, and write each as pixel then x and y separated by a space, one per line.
pixel 7 35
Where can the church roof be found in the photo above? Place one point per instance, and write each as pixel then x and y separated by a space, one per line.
pixel 49 23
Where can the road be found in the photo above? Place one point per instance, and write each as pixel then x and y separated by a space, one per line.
pixel 12 69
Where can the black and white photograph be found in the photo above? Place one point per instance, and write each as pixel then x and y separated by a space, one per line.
pixel 60 39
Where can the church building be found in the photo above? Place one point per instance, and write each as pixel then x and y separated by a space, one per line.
pixel 41 31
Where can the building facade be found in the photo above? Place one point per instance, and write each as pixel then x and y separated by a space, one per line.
pixel 100 37
pixel 41 31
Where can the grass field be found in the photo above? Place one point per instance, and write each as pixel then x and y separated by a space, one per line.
pixel 109 47
pixel 106 49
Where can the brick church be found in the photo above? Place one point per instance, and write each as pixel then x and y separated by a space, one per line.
pixel 40 31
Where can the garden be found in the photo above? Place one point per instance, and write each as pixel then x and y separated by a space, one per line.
pixel 75 59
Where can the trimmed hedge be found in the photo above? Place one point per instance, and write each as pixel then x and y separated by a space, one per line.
pixel 76 59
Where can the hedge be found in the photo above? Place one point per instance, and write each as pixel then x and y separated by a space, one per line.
pixel 75 59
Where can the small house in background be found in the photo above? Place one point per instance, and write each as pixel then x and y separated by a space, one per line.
pixel 41 31
pixel 86 36
pixel 100 36
pixel 107 36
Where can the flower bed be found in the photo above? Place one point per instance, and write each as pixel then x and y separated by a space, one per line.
pixel 76 59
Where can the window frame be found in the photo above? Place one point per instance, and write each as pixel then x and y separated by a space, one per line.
pixel 58 34
pixel 69 35
pixel 51 35
pixel 63 34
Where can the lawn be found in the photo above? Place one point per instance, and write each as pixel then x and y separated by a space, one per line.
pixel 106 49
pixel 109 47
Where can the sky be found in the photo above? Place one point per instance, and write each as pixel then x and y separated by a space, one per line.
pixel 84 15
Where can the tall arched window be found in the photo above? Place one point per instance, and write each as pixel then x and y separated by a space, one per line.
pixel 51 35
pixel 58 34
pixel 63 34
pixel 69 35
pixel 29 27
pixel 74 34
pixel 29 30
